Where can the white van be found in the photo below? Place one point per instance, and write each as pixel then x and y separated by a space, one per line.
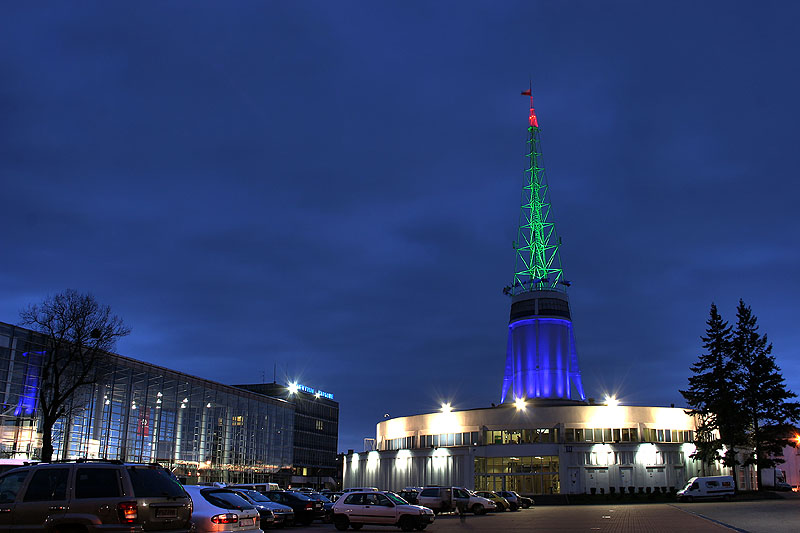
pixel 707 487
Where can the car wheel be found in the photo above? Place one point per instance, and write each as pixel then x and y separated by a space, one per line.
pixel 420 527
pixel 727 497
pixel 406 523
pixel 514 507
pixel 356 526
pixel 478 509
pixel 341 522
pixel 689 499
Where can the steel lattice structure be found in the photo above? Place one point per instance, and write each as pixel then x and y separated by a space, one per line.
pixel 538 262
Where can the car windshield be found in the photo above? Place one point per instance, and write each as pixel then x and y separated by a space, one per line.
pixel 396 499
pixel 255 496
pixel 300 496
pixel 149 482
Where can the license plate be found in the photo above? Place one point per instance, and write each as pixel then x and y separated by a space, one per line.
pixel 166 512
pixel 247 522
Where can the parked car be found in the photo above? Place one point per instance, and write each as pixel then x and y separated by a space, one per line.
pixel 305 509
pixel 327 505
pixel 282 515
pixel 444 499
pixel 515 500
pixel 409 495
pixel 701 488
pixel 108 496
pixel 217 509
pixel 333 496
pixel 221 509
pixel 500 503
pixel 356 509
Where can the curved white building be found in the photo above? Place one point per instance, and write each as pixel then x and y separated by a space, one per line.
pixel 544 447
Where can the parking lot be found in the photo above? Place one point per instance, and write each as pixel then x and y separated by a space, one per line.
pixel 764 516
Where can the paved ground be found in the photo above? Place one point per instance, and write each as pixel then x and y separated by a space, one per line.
pixel 767 516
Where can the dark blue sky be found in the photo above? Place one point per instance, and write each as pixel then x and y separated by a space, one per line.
pixel 333 187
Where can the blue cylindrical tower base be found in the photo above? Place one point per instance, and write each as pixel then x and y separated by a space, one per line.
pixel 541 360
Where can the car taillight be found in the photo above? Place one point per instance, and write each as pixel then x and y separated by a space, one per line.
pixel 227 518
pixel 309 506
pixel 128 512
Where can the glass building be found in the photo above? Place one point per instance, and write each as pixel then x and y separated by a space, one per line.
pixel 141 412
pixel 316 431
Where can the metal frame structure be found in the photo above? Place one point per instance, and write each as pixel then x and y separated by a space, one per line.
pixel 538 262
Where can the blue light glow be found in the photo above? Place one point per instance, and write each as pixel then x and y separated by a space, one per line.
pixel 30 389
pixel 310 390
pixel 541 360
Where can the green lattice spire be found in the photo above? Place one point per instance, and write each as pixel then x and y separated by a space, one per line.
pixel 538 263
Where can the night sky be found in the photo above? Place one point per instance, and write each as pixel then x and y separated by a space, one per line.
pixel 328 191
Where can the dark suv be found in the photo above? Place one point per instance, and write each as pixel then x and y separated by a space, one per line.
pixel 90 496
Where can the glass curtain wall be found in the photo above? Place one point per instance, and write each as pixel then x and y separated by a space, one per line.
pixel 526 475
pixel 144 413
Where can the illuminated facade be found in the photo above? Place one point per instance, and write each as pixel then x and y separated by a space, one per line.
pixel 140 412
pixel 538 448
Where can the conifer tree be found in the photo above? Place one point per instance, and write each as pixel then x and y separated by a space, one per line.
pixel 765 400
pixel 712 395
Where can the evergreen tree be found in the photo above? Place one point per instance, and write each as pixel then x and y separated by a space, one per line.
pixel 712 396
pixel 764 398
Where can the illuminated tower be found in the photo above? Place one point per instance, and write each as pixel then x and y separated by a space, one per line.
pixel 541 361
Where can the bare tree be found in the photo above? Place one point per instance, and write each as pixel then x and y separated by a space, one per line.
pixel 77 332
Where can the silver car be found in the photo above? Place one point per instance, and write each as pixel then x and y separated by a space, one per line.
pixel 218 509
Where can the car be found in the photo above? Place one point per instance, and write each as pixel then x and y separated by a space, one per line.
pixel 332 496
pixel 93 496
pixel 446 499
pixel 305 509
pixel 282 515
pixel 220 509
pixel 500 502
pixel 409 495
pixel 515 500
pixel 327 505
pixel 357 509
